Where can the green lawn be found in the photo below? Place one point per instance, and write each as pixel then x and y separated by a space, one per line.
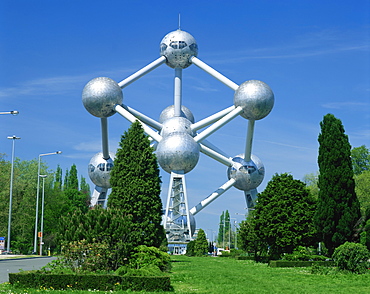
pixel 227 275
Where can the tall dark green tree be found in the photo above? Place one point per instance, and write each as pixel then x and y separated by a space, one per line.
pixel 338 209
pixel 79 199
pixel 136 186
pixel 282 218
pixel 220 236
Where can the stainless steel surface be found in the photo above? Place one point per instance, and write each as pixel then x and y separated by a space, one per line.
pixel 178 152
pixel 256 98
pixel 169 112
pixel 99 169
pixel 248 175
pixel 100 95
pixel 226 81
pixel 178 46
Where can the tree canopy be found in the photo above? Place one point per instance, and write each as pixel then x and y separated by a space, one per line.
pixel 136 186
pixel 338 208
pixel 282 219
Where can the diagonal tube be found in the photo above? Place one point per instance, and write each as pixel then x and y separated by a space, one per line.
pixel 131 118
pixel 137 75
pixel 214 73
pixel 212 197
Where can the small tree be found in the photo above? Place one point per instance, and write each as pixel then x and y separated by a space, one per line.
pixel 282 218
pixel 201 244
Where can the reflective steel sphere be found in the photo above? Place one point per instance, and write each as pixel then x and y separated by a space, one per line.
pixel 248 175
pixel 169 112
pixel 256 98
pixel 100 95
pixel 178 46
pixel 99 169
pixel 178 152
pixel 176 125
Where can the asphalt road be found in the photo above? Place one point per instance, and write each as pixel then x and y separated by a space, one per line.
pixel 15 265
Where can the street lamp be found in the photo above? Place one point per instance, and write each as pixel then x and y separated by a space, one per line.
pixel 235 222
pixel 14 112
pixel 11 192
pixel 42 210
pixel 37 196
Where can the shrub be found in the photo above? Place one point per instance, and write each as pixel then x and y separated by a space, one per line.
pixel 303 254
pixel 144 256
pixel 352 257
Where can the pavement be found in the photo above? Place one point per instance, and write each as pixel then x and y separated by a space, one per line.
pixel 15 263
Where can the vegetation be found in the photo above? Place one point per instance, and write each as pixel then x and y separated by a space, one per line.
pixel 201 244
pixel 338 209
pixel 136 187
pixel 352 257
pixel 228 275
pixel 58 202
pixel 282 219
pixel 226 236
pixel 360 159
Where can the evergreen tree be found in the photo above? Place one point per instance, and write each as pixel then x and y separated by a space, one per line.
pixel 220 236
pixel 200 244
pixel 79 199
pixel 136 186
pixel 282 218
pixel 58 178
pixel 338 208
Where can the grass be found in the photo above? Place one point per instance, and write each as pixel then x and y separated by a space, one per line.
pixel 227 275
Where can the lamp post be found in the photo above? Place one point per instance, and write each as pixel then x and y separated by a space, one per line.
pixel 14 112
pixel 235 222
pixel 11 192
pixel 42 210
pixel 37 196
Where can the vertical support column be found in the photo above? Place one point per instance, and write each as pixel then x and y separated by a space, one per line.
pixel 177 217
pixel 104 137
pixel 178 91
pixel 248 144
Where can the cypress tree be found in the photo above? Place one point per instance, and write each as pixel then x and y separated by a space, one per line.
pixel 220 237
pixel 338 208
pixel 136 186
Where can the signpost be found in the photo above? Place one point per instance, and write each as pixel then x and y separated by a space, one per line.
pixel 2 244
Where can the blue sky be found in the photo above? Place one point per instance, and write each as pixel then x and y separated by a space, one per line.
pixel 315 56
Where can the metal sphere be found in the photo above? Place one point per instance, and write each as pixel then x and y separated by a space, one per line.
pixel 178 46
pixel 169 112
pixel 178 152
pixel 176 125
pixel 99 169
pixel 100 95
pixel 256 98
pixel 248 175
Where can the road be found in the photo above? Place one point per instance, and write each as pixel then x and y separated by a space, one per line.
pixel 15 265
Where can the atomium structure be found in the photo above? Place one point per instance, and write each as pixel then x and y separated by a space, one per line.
pixel 177 139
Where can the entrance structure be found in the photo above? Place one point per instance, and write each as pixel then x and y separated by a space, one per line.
pixel 177 138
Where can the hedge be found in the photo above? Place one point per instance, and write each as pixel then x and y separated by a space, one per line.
pixel 299 263
pixel 34 279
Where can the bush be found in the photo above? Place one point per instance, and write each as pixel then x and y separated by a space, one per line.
pixel 303 254
pixel 352 257
pixel 37 280
pixel 144 256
